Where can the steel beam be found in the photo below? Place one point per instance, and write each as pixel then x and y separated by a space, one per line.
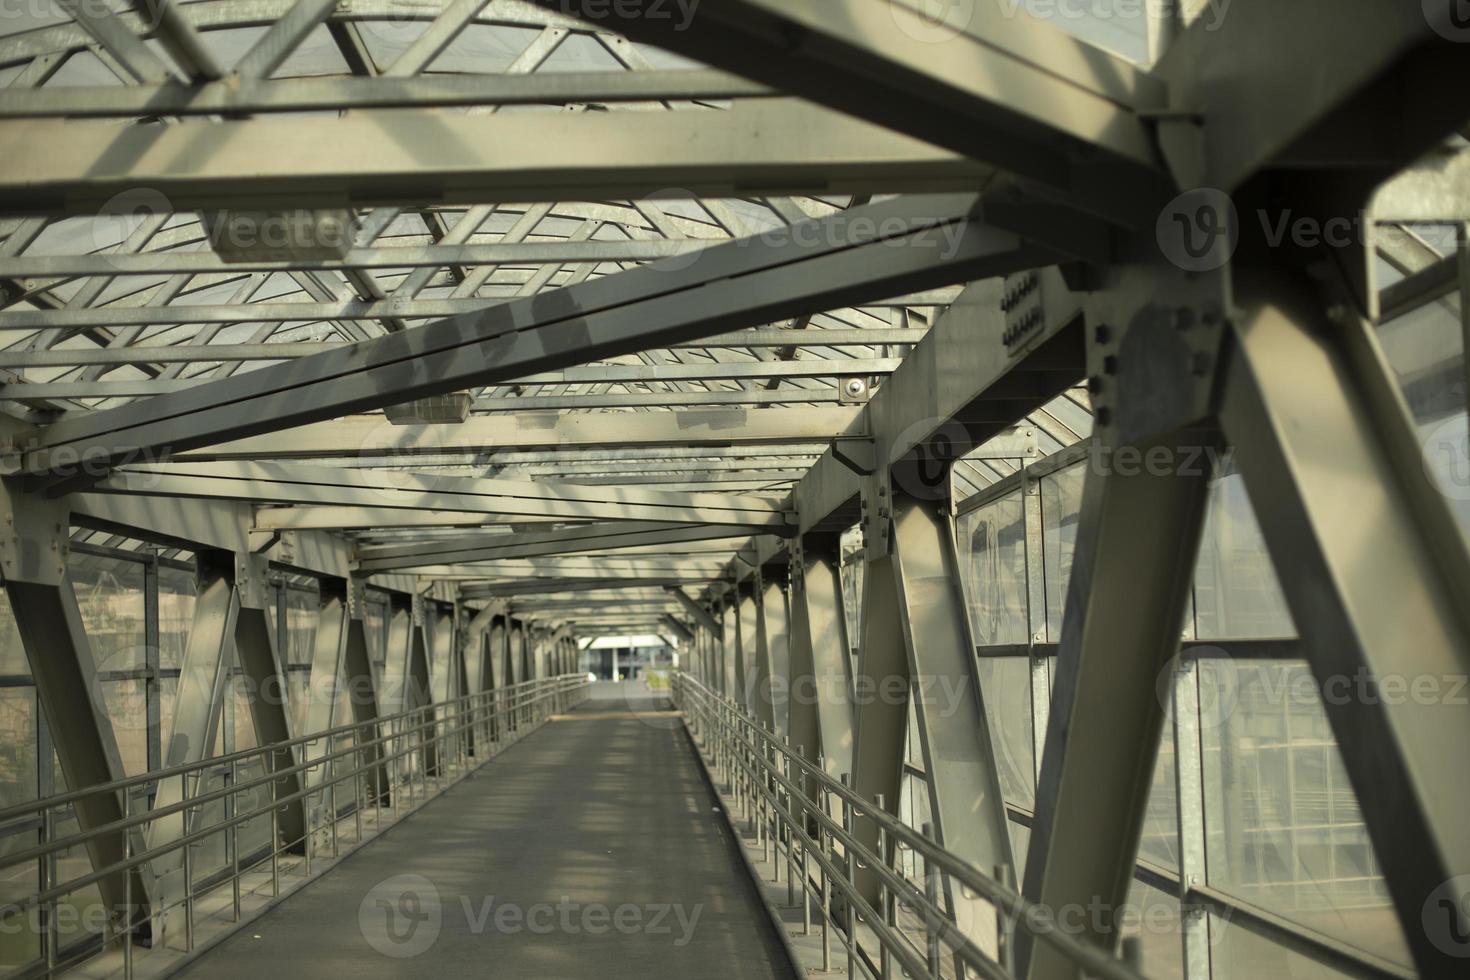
pixel 738 284
pixel 1309 401
pixel 880 714
pixel 486 547
pixel 716 429
pixel 68 689
pixel 204 673
pixel 373 158
pixel 234 97
pixel 967 806
pixel 822 721
pixel 290 483
pixel 1138 533
pixel 776 639
pixel 1013 91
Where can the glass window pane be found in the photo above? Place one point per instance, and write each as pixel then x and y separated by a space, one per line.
pixel 1153 917
pixel 109 594
pixel 1425 348
pixel 1061 501
pixel 1283 828
pixel 302 607
pixel 1236 592
pixel 1160 840
pixel 12 654
pixel 1005 683
pixel 177 592
pixel 992 549
pixel 1239 954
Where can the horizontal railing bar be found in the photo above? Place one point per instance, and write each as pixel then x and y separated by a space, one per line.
pixel 270 777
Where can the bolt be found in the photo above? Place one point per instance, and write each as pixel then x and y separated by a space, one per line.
pixel 1110 365
pixel 1094 384
pixel 1104 415
pixel 1102 333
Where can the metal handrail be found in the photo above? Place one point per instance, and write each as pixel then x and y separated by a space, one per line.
pixel 428 714
pixel 754 751
pixel 440 728
pixel 30 806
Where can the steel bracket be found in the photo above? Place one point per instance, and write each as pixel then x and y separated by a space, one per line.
pixel 36 538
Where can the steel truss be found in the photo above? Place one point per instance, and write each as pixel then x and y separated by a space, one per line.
pixel 1029 251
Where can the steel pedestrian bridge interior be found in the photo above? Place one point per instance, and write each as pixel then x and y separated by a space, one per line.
pixel 735 488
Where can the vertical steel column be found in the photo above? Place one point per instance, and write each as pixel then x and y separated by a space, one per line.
pixel 420 689
pixel 966 803
pixel 498 668
pixel 328 651
pixel 203 675
pixel 33 554
pixel 819 639
pixel 517 651
pixel 775 629
pixel 881 699
pixel 748 649
pixel 1039 679
pixel 758 683
pixel 1131 573
pixel 152 641
pixel 263 666
pixel 361 686
pixel 729 645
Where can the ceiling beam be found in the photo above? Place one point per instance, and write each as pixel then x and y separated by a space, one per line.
pixel 715 429
pixel 894 247
pixel 376 158
pixel 256 97
pixel 290 483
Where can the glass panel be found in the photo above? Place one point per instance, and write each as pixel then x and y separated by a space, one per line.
pixel 1425 348
pixel 125 703
pixel 1236 592
pixel 1239 954
pixel 1283 826
pixel 18 944
pixel 1153 917
pixel 1061 501
pixel 109 594
pixel 1160 840
pixel 991 541
pixel 12 654
pixel 1006 685
pixel 302 607
pixel 177 591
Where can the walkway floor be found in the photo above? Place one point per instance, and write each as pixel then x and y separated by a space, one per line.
pixel 590 850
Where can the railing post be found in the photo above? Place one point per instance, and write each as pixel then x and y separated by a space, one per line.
pixel 931 911
pixel 850 860
pixel 884 895
pixel 234 812
pixel 127 812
